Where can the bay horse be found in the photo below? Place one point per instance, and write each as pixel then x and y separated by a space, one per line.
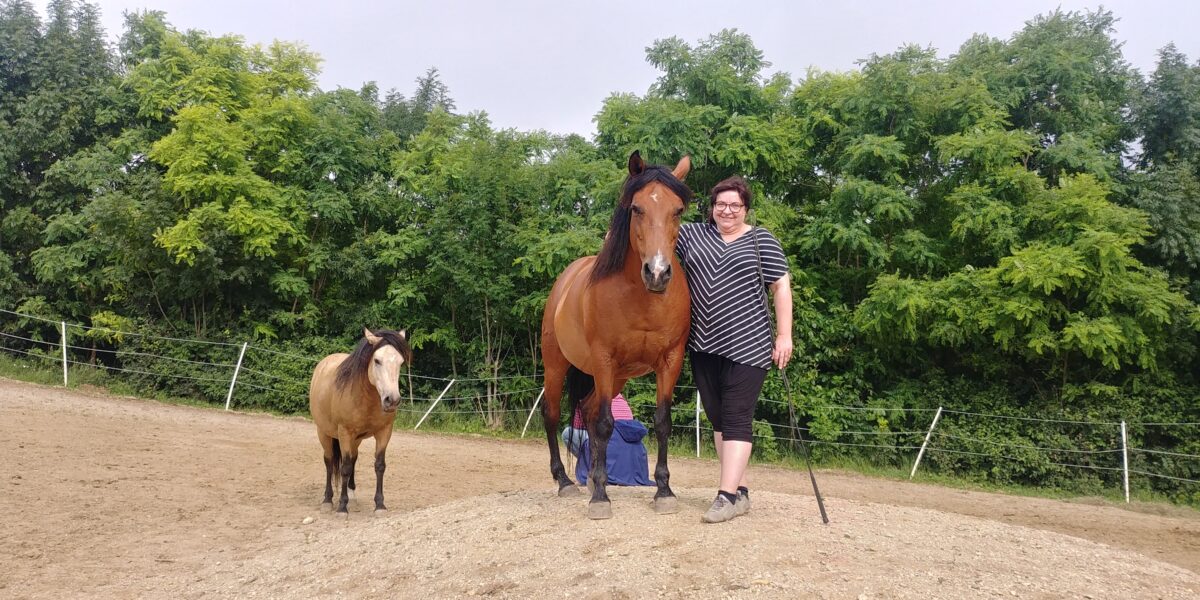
pixel 354 396
pixel 619 315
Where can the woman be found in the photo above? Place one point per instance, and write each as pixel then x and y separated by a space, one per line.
pixel 575 434
pixel 728 262
pixel 626 460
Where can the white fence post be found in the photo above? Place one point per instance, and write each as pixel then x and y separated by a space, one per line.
pixel 531 411
pixel 64 352
pixel 1125 459
pixel 236 370
pixel 435 403
pixel 697 424
pixel 921 452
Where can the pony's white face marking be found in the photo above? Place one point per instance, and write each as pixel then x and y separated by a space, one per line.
pixel 384 374
pixel 654 197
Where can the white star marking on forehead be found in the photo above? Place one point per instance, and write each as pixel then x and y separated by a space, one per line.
pixel 654 196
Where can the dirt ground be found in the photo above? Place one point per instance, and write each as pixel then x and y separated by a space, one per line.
pixel 122 498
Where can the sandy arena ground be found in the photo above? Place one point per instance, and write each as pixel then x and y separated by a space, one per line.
pixel 124 498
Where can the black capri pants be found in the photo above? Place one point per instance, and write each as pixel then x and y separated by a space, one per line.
pixel 729 392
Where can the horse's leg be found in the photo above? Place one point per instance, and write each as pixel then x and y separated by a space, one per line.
pixel 600 431
pixel 346 441
pixel 555 368
pixel 665 502
pixel 382 437
pixel 551 413
pixel 353 464
pixel 329 448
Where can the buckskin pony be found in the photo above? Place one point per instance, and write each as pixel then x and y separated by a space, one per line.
pixel 352 397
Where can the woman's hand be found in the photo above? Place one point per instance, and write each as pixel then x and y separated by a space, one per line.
pixel 783 351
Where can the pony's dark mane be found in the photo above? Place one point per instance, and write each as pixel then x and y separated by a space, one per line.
pixel 612 256
pixel 356 364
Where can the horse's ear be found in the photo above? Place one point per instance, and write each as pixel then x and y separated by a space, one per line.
pixel 681 169
pixel 403 333
pixel 636 164
pixel 372 339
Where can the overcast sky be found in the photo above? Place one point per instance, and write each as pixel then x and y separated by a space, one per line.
pixel 550 64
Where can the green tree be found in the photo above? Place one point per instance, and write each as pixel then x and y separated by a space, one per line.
pixel 406 117
pixel 714 103
pixel 1064 79
pixel 1168 186
pixel 1169 115
pixel 1072 299
pixel 55 82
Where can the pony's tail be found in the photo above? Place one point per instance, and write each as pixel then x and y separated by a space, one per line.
pixel 337 467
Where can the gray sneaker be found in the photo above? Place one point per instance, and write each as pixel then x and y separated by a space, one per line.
pixel 743 503
pixel 721 510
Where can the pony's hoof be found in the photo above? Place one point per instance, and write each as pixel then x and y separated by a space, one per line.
pixel 344 516
pixel 666 505
pixel 568 491
pixel 326 507
pixel 379 512
pixel 600 510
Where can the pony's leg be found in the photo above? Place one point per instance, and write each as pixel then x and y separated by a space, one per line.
pixel 331 452
pixel 665 502
pixel 600 431
pixel 555 365
pixel 353 464
pixel 381 442
pixel 346 441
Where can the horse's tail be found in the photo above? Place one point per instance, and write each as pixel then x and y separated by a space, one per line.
pixel 579 386
pixel 337 466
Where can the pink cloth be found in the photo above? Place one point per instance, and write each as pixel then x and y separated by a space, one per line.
pixel 620 411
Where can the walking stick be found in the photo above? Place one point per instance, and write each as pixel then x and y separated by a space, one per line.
pixel 788 388
pixel 804 447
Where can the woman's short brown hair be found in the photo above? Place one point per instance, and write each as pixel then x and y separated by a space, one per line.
pixel 736 184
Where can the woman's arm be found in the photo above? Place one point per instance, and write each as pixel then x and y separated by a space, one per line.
pixel 781 293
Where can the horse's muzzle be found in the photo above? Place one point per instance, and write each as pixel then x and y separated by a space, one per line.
pixel 656 279
pixel 389 404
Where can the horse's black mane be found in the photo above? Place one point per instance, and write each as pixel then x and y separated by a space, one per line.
pixel 356 364
pixel 612 256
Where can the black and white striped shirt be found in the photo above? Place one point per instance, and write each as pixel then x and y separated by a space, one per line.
pixel 729 317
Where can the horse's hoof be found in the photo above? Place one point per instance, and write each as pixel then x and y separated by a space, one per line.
pixel 379 512
pixel 568 491
pixel 344 516
pixel 666 505
pixel 326 507
pixel 600 510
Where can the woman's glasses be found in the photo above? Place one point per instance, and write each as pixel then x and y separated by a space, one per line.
pixel 733 208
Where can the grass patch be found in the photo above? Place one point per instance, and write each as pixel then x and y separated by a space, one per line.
pixel 81 376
